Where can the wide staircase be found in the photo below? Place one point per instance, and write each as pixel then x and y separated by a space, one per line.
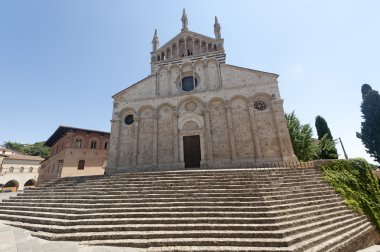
pixel 208 210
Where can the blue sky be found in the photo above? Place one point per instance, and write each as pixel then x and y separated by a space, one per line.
pixel 61 61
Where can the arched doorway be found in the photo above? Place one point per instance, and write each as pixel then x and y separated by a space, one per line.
pixel 11 186
pixel 29 184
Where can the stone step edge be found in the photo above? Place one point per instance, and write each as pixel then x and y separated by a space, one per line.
pixel 177 203
pixel 280 242
pixel 66 222
pixel 170 213
pixel 228 208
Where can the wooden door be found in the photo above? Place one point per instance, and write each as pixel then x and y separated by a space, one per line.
pixel 192 151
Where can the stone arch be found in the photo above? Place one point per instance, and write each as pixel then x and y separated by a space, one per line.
pixel 142 110
pixel 187 67
pixel 125 111
pixel 189 98
pixel 12 184
pixel 264 96
pixel 242 97
pixel 165 104
pixel 190 125
pixel 30 183
pixel 190 117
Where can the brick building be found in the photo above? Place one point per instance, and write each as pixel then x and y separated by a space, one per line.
pixel 75 152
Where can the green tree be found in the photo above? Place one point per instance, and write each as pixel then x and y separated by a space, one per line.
pixel 304 146
pixel 327 149
pixel 322 128
pixel 370 130
pixel 36 149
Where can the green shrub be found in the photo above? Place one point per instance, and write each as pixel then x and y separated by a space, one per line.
pixel 355 182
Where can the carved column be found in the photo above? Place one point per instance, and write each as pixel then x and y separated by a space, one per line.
pixel 175 141
pixel 206 119
pixel 254 130
pixel 155 138
pixel 136 143
pixel 231 131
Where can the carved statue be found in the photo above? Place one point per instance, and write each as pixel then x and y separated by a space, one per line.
pixel 184 21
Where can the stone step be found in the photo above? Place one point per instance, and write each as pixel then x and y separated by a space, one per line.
pixel 287 228
pixel 254 192
pixel 329 238
pixel 205 240
pixel 273 185
pixel 336 200
pixel 38 221
pixel 251 216
pixel 254 210
pixel 314 185
pixel 209 172
pixel 157 187
pixel 209 198
pixel 180 193
pixel 236 176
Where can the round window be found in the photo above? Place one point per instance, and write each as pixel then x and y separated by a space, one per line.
pixel 189 83
pixel 259 105
pixel 129 120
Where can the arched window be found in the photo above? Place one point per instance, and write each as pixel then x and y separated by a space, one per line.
pixel 78 143
pixel 106 145
pixel 21 169
pixel 30 169
pixel 81 165
pixel 93 144
pixel 11 169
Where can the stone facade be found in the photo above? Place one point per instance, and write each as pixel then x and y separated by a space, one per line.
pixel 18 171
pixel 236 113
pixel 75 152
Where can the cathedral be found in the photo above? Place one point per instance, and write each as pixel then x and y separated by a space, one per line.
pixel 196 111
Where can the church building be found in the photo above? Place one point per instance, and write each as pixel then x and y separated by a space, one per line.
pixel 196 111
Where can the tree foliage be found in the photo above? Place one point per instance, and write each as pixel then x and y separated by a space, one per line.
pixel 370 129
pixel 304 146
pixel 36 149
pixel 355 182
pixel 322 128
pixel 327 149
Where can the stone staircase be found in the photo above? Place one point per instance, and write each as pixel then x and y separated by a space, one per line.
pixel 205 210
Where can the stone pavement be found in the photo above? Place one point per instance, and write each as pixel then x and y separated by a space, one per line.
pixel 14 239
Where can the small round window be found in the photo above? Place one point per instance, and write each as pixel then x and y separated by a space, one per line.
pixel 129 120
pixel 259 105
pixel 189 83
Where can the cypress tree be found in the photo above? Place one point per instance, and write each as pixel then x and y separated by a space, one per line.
pixel 370 130
pixel 322 128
